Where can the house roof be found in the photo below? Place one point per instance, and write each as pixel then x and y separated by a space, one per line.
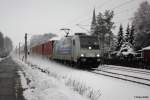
pixel 146 48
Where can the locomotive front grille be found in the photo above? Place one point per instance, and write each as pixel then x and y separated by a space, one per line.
pixel 90 55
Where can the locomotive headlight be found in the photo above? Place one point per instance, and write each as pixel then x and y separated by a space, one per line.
pixel 98 55
pixel 90 48
pixel 82 55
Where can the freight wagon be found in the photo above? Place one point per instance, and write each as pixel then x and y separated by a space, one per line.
pixel 44 49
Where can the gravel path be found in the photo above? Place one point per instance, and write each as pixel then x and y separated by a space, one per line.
pixel 10 88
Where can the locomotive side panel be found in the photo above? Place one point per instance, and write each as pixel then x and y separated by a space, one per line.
pixel 63 49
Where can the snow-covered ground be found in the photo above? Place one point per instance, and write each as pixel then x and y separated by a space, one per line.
pixel 110 88
pixel 40 86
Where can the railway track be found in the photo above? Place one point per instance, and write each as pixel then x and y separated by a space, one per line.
pixel 133 70
pixel 125 77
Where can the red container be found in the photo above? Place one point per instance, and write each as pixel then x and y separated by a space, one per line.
pixel 45 49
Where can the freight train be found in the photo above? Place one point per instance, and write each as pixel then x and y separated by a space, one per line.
pixel 79 50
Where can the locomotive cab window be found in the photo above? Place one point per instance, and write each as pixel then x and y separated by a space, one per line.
pixel 89 41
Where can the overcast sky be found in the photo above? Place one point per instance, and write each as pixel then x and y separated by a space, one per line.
pixel 18 17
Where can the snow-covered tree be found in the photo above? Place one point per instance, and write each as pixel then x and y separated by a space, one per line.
pixel 127 34
pixel 132 35
pixel 5 45
pixel 120 38
pixel 141 22
pixel 126 51
pixel 104 23
pixel 103 30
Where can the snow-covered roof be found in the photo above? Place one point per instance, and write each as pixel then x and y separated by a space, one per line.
pixel 126 49
pixel 129 52
pixel 146 48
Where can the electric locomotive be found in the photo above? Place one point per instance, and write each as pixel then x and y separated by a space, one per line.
pixel 81 50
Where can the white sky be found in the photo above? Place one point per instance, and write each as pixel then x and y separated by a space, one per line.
pixel 18 17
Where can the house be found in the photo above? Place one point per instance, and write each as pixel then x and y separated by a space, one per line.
pixel 146 54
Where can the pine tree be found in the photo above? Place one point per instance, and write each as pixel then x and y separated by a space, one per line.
pixel 127 33
pixel 120 38
pixel 131 35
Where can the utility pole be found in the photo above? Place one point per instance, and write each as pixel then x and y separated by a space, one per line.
pixel 25 47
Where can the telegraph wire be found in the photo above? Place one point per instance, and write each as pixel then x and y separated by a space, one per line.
pixel 102 5
pixel 122 4
pixel 88 18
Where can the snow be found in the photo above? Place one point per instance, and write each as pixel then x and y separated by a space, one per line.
pixel 1 59
pixel 146 48
pixel 44 87
pixel 126 49
pixel 110 88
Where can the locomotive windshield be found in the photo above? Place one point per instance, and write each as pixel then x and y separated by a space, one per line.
pixel 89 42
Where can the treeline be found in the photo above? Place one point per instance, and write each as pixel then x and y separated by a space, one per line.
pixel 5 45
pixel 141 22
pixel 131 39
pixel 136 33
pixel 125 37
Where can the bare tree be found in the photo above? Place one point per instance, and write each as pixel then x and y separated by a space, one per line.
pixel 141 22
pixel 8 45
